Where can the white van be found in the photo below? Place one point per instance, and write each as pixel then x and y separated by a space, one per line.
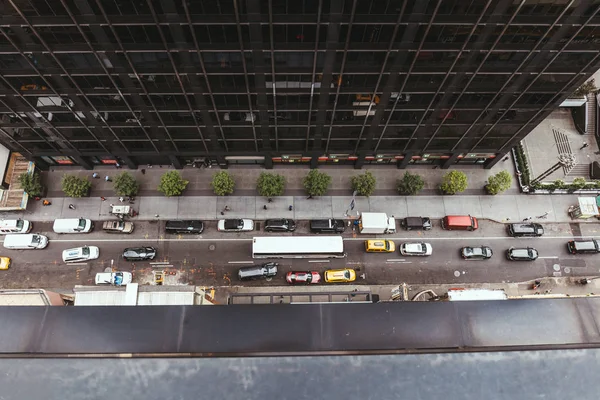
pixel 73 225
pixel 80 254
pixel 25 241
pixel 15 226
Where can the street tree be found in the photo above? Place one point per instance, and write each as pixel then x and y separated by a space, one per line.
pixel 125 184
pixel 578 183
pixel 222 183
pixel 316 183
pixel 172 184
pixel 454 182
pixel 74 186
pixel 499 183
pixel 410 184
pixel 270 185
pixel 31 184
pixel 364 184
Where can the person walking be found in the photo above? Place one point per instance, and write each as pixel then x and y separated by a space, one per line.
pixel 505 158
pixel 290 208
pixel 527 219
pixel 102 198
pixel 309 197
pixel 584 146
pixel 269 200
pixel 46 202
pixel 227 208
pixel 265 207
pixel 95 175
pixel 71 206
pixel 121 199
pixel 107 178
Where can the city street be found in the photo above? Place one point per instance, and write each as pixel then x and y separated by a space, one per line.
pixel 212 259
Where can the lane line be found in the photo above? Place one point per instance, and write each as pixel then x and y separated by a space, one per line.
pixel 396 259
pixel 318 261
pixel 549 257
pixel 240 262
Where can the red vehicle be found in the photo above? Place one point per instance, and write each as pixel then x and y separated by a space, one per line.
pixel 303 277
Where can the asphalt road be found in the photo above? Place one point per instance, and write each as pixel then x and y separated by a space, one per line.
pixel 212 259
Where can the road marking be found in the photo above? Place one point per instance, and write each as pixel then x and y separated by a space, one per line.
pixel 241 262
pixel 319 261
pixel 549 257
pixel 160 262
pixel 396 259
pixel 77 263
pixel 398 262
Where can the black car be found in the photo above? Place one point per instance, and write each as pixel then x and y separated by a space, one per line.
pixel 522 254
pixel 476 253
pixel 410 223
pixel 327 225
pixel 139 253
pixel 521 229
pixel 280 225
pixel 187 226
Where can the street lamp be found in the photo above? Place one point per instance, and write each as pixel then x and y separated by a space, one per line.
pixel 565 160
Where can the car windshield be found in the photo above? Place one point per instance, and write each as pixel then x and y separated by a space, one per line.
pixel 423 247
pixel 233 224
pixel 81 223
pixel 20 223
pixel 36 239
pixel 118 279
pixel 387 245
pixel 347 274
pixel 85 251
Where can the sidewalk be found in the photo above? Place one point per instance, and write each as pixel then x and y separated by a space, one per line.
pixel 199 201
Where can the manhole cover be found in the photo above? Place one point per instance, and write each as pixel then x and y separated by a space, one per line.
pixel 211 247
pixel 556 267
pixel 456 274
pixel 567 270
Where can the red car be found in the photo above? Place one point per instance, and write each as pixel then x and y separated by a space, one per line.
pixel 303 277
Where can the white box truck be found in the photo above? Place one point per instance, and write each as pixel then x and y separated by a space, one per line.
pixel 371 222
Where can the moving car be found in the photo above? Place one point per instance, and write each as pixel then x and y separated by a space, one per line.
pixel 476 253
pixel 340 275
pixel 4 262
pixel 80 254
pixel 280 225
pixel 416 249
pixel 303 277
pixel 522 254
pixel 379 246
pixel 113 278
pixel 523 229
pixel 235 225
pixel 266 270
pixel 139 253
pixel 583 246
pixel 410 223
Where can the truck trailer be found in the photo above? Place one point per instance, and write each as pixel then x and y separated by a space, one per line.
pixel 370 222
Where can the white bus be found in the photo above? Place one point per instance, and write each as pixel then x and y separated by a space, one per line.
pixel 298 247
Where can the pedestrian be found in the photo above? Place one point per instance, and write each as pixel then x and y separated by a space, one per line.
pixel 518 173
pixel 290 208
pixel 156 215
pixel 102 198
pixel 117 165
pixel 309 197
pixel 222 212
pixel 121 199
pixel 107 178
pixel 143 171
pixel 527 219
pixel 71 206
pixel 46 202
pixel 269 200
pixel 95 175
pixel 265 207
pixel 227 208
pixel 505 158
pixel 584 146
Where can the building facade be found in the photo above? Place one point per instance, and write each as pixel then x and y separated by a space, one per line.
pixel 307 82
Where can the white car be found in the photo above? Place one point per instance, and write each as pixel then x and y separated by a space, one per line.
pixel 416 249
pixel 235 225
pixel 113 278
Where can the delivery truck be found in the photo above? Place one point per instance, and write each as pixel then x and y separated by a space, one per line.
pixel 371 222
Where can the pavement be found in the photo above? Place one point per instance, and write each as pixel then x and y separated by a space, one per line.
pixel 198 200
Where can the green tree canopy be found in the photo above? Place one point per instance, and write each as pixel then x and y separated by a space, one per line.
pixel 74 186
pixel 364 184
pixel 270 185
pixel 125 184
pixel 579 183
pixel 31 183
pixel 316 183
pixel 410 184
pixel 222 183
pixel 499 183
pixel 172 184
pixel 454 182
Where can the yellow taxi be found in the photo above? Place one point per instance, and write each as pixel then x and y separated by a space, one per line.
pixel 4 262
pixel 380 246
pixel 340 275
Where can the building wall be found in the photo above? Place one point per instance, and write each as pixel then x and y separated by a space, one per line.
pixel 302 82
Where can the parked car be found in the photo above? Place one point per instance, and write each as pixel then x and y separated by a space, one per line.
pixel 280 225
pixel 117 226
pixel 522 254
pixel 476 253
pixel 583 246
pixel 235 225
pixel 521 229
pixel 379 246
pixel 416 249
pixel 327 225
pixel 184 226
pixel 340 275
pixel 113 278
pixel 240 116
pixel 139 253
pixel 266 270
pixel 80 254
pixel 303 277
pixel 410 223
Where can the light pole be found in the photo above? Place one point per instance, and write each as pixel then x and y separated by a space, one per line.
pixel 565 160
